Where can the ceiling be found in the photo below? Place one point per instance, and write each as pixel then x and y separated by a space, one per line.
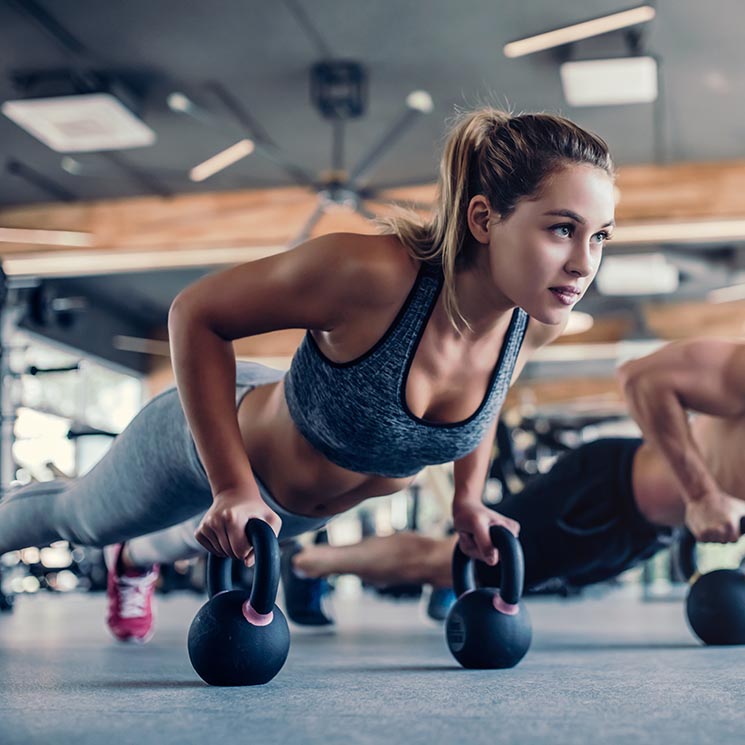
pixel 261 54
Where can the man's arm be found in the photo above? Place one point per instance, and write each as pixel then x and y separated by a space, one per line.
pixel 702 375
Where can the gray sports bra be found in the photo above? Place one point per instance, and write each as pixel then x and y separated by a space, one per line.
pixel 355 412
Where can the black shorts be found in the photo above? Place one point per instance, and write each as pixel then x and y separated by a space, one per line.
pixel 580 522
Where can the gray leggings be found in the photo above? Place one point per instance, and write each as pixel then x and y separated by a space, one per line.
pixel 150 483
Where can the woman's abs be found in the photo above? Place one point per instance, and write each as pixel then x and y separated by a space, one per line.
pixel 300 478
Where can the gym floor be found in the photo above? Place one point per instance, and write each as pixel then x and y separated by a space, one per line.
pixel 610 669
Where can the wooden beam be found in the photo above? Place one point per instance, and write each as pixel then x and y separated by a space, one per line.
pixel 681 191
pixel 684 320
pixel 590 394
pixel 273 217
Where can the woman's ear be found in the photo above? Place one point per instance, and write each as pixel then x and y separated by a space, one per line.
pixel 480 216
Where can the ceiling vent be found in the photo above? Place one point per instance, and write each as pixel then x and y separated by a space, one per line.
pixel 78 112
pixel 80 124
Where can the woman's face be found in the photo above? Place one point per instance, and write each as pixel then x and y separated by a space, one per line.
pixel 544 256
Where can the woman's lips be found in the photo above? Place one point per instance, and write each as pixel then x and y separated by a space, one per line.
pixel 565 295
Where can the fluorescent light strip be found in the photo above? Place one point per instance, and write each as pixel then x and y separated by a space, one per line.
pixel 680 232
pixel 579 31
pixel 617 351
pixel 222 160
pixel 46 237
pixel 727 294
pixel 112 261
pixel 137 344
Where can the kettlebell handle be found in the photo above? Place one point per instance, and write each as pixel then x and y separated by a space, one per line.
pixel 685 555
pixel 266 570
pixel 510 559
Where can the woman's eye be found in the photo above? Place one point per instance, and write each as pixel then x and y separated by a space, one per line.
pixel 602 237
pixel 565 231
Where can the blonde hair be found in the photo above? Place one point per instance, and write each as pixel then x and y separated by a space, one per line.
pixel 506 158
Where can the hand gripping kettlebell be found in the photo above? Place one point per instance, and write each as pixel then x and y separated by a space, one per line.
pixel 488 628
pixel 716 600
pixel 237 638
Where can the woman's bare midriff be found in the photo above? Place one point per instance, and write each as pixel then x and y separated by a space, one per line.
pixel 299 478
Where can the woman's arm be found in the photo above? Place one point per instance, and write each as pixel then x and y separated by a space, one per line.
pixel 471 518
pixel 316 286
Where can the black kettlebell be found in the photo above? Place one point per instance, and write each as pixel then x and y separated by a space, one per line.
pixel 239 638
pixel 716 600
pixel 488 628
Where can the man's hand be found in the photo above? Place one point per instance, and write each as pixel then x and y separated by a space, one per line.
pixel 223 528
pixel 472 523
pixel 715 518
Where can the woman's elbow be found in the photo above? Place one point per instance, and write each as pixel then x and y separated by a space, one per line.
pixel 181 313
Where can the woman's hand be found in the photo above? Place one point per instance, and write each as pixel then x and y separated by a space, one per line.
pixel 223 528
pixel 715 518
pixel 472 522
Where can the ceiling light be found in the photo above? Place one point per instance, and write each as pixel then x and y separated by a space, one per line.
pixel 178 102
pixel 578 31
pixel 143 346
pixel 727 294
pixel 89 122
pixel 222 160
pixel 71 166
pixel 681 232
pixel 616 351
pixel 637 274
pixel 420 101
pixel 609 82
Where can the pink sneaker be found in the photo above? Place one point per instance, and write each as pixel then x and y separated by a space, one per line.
pixel 130 615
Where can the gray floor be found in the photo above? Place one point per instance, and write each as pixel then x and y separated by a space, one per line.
pixel 610 670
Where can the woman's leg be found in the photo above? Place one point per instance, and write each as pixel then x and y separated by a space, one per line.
pixel 165 546
pixel 150 478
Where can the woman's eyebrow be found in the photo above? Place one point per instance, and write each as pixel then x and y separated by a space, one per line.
pixel 577 218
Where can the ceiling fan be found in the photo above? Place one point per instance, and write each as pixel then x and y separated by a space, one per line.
pixel 339 93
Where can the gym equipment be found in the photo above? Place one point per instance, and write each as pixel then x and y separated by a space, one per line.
pixel 6 601
pixel 303 595
pixel 239 638
pixel 715 606
pixel 488 628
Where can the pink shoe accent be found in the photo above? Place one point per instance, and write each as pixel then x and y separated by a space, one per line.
pixel 255 618
pixel 507 608
pixel 130 615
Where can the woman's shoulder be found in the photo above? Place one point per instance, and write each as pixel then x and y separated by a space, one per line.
pixel 374 269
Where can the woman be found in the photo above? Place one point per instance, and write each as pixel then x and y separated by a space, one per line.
pixel 413 339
